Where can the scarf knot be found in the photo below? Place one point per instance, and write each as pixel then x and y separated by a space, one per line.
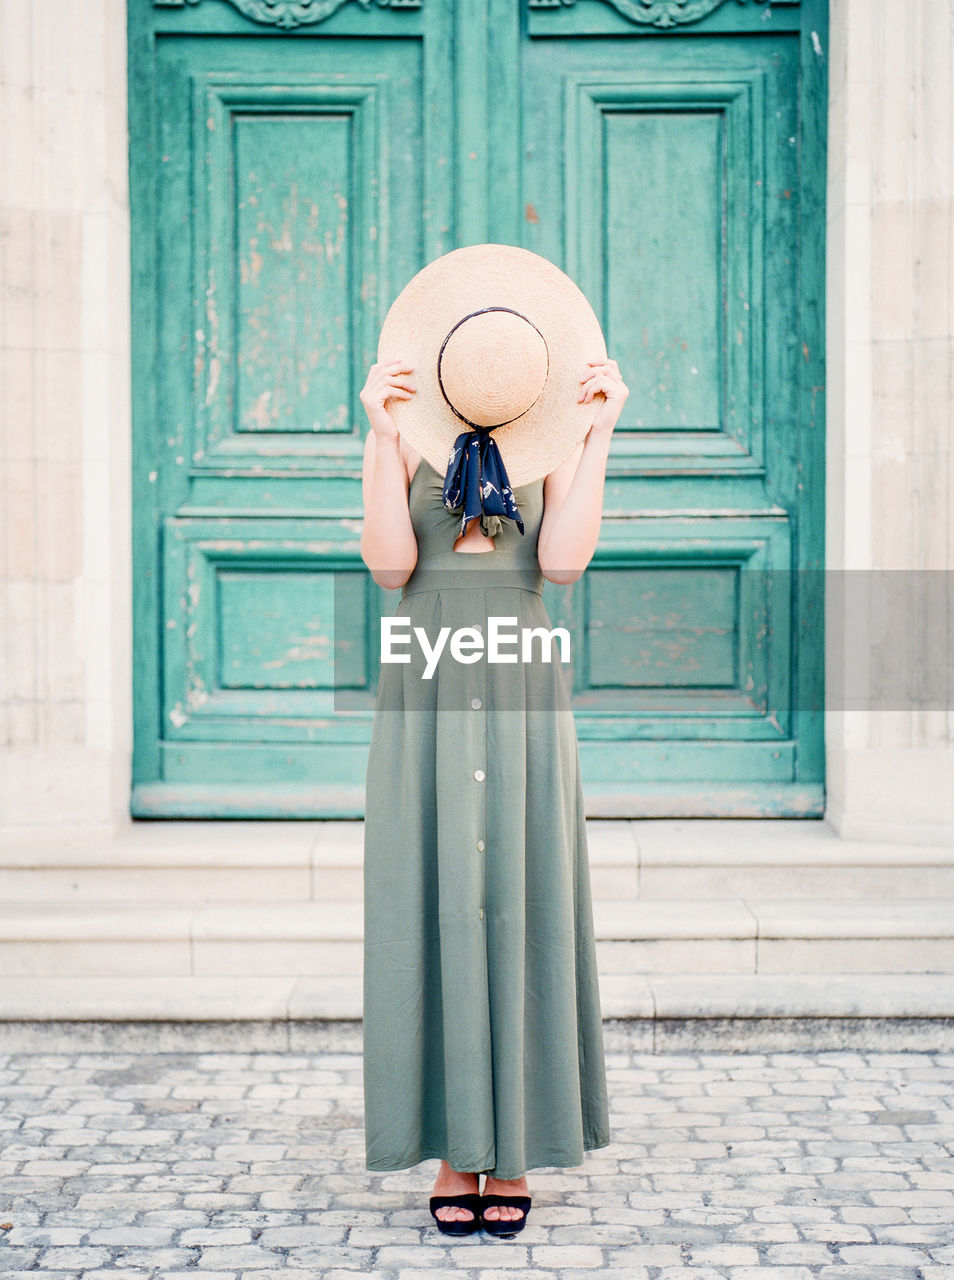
pixel 477 481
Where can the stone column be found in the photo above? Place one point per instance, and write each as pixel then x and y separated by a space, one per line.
pixel 890 477
pixel 65 629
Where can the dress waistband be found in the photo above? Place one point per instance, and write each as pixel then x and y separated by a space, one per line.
pixel 460 586
pixel 476 579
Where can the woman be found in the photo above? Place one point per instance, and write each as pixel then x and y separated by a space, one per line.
pixel 482 1025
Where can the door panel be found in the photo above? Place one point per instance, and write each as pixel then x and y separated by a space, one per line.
pixel 292 165
pixel 676 208
pixel 288 194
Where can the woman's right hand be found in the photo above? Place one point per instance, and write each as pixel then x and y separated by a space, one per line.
pixel 386 382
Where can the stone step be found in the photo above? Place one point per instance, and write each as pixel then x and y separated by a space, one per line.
pixel 770 858
pixel 634 937
pixel 653 859
pixel 653 999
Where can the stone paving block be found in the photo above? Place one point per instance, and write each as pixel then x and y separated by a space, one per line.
pixel 646 1255
pixel 692 1273
pixel 520 1273
pixel 797 1253
pixel 65 1258
pixel 45 1275
pixel 562 1256
pixel 911 1198
pixel 766 1233
pixel 837 1232
pixel 333 1274
pixel 405 1257
pixel 843 1272
pixel 778 1273
pixel 915 1233
pixel 177 1217
pixel 725 1255
pixel 19 1257
pixel 109 1273
pixel 600 1234
pixel 151 1236
pixel 290 1236
pixel 634 1218
pixel 150 1258
pixel 929 1178
pixel 683 1234
pixel 884 1255
pixel 871 1216
pixel 54 1168
pixel 424 1273
pixel 232 1257
pixel 215 1235
pixel 503 1255
pixel 42 1236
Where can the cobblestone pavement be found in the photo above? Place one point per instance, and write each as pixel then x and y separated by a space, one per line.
pixel 834 1164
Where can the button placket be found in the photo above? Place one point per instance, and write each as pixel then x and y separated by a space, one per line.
pixel 480 776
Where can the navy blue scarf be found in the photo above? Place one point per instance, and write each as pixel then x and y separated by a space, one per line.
pixel 477 479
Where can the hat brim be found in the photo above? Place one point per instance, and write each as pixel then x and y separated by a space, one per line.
pixel 469 279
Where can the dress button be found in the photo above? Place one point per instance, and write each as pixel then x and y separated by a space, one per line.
pixel 479 775
pixel 481 913
pixel 480 846
pixel 475 703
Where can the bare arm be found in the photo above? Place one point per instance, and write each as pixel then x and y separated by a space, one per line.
pixel 388 543
pixel 573 493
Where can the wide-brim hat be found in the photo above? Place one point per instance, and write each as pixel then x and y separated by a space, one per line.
pixel 498 337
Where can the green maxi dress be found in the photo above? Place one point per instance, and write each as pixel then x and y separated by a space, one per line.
pixel 482 1025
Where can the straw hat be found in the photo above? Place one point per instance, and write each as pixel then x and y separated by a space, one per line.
pixel 497 337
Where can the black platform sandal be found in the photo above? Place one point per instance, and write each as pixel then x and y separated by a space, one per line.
pixel 505 1226
pixel 457 1226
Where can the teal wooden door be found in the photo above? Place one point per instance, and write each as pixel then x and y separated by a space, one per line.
pixel 292 165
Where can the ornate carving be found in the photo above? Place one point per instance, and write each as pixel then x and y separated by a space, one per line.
pixel 294 13
pixel 656 13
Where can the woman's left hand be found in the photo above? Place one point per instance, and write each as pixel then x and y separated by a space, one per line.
pixel 602 378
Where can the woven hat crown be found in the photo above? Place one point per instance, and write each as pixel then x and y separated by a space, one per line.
pixel 492 366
